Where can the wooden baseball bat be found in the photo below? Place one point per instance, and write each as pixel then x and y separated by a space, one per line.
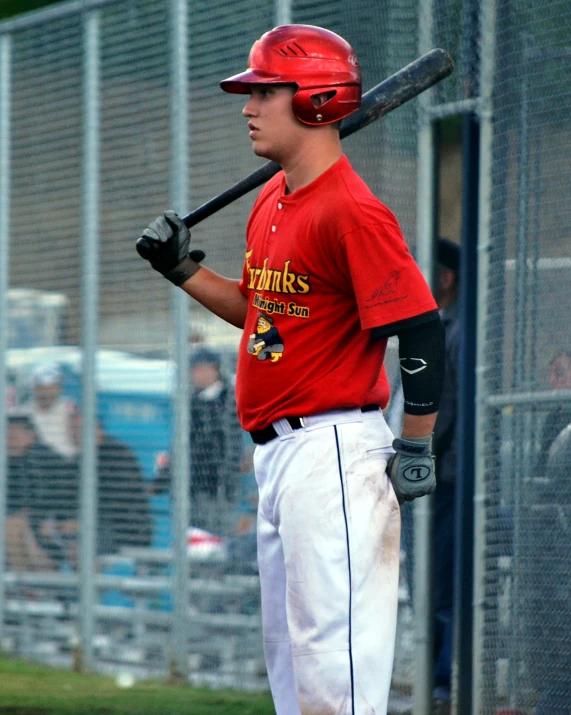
pixel 407 83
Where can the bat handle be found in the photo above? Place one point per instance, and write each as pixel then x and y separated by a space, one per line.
pixel 144 248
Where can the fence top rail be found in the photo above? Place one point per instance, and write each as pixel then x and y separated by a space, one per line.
pixel 53 12
pixel 530 398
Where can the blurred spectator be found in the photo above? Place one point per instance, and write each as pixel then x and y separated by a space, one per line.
pixel 38 487
pixel 545 606
pixel 559 379
pixel 445 453
pixel 51 411
pixel 124 517
pixel 242 544
pixel 216 441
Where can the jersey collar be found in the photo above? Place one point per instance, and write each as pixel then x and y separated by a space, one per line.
pixel 342 164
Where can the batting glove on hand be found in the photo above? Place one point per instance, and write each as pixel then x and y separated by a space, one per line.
pixel 411 469
pixel 169 240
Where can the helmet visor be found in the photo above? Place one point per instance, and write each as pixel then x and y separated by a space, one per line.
pixel 240 83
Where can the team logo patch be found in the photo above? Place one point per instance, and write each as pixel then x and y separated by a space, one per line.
pixel 266 343
pixel 416 473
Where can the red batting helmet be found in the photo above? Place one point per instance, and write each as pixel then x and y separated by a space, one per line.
pixel 314 59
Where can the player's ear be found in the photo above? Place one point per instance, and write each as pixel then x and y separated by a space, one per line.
pixel 318 100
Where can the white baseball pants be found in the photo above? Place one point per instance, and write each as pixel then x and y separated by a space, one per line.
pixel 328 553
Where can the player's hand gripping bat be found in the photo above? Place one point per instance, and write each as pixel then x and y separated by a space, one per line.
pixel 390 94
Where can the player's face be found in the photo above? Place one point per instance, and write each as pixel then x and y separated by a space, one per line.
pixel 560 373
pixel 275 132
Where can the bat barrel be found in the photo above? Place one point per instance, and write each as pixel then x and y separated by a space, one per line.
pixel 404 85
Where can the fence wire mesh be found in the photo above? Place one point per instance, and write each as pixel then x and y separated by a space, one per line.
pixel 525 639
pixel 526 633
pixel 134 367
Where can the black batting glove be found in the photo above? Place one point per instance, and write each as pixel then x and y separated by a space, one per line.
pixel 411 468
pixel 169 240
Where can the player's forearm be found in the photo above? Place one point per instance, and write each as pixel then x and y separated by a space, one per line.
pixel 418 425
pixel 219 294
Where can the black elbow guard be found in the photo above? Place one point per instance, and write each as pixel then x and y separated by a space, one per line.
pixel 422 360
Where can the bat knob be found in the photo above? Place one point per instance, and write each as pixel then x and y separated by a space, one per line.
pixel 144 248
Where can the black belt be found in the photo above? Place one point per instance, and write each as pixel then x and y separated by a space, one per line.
pixel 261 436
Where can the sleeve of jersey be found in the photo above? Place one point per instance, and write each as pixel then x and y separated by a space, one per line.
pixel 387 282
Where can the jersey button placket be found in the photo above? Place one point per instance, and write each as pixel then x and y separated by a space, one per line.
pixel 277 218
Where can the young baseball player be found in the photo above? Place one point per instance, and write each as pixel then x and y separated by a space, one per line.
pixel 327 279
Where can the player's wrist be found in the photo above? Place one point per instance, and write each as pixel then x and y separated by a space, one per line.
pixel 182 271
pixel 413 446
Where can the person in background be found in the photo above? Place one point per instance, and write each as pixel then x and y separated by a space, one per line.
pixel 38 491
pixel 559 379
pixel 216 447
pixel 51 411
pixel 544 606
pixel 124 517
pixel 445 453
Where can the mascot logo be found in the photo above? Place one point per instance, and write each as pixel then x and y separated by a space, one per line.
pixel 266 342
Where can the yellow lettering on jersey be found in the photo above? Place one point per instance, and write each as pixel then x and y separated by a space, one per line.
pixel 268 280
pixel 297 311
pixel 262 278
pixel 268 306
pixel 274 280
pixel 254 273
pixel 289 279
pixel 303 284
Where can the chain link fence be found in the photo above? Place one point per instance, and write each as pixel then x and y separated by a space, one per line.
pixel 46 174
pixel 525 634
pixel 129 75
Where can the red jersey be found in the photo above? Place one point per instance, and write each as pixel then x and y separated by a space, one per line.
pixel 324 265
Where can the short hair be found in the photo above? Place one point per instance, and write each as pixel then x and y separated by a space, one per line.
pixel 205 356
pixel 449 254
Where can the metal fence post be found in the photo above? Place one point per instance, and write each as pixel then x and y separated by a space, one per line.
pixel 487 50
pixel 90 315
pixel 181 325
pixel 5 100
pixel 465 429
pixel 423 508
pixel 283 12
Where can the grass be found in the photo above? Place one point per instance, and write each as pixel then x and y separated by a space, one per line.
pixel 30 689
pixel 15 7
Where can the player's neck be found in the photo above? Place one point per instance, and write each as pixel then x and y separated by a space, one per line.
pixel 311 161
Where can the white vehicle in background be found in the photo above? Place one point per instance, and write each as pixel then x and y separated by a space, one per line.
pixel 36 318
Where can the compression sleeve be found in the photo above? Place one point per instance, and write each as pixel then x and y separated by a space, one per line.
pixel 422 361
